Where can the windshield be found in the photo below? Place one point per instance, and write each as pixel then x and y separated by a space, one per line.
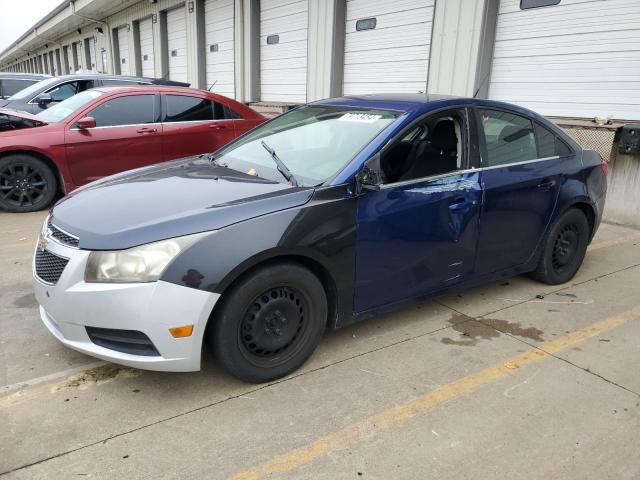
pixel 34 89
pixel 65 109
pixel 314 142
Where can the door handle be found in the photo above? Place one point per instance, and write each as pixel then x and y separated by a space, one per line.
pixel 461 204
pixel 546 185
pixel 217 127
pixel 147 130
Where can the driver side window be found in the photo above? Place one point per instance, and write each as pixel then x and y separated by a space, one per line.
pixel 64 91
pixel 433 147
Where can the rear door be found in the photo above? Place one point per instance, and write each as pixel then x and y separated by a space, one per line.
pixel 521 178
pixel 193 125
pixel 127 135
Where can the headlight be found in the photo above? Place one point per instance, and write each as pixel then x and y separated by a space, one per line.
pixel 136 265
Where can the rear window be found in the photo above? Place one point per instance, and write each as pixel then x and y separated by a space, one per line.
pixel 11 86
pixel 183 108
pixel 549 144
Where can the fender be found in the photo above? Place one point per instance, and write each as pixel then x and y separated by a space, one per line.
pixel 322 230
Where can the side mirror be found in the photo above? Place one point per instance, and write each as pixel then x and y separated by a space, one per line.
pixel 369 178
pixel 44 99
pixel 86 122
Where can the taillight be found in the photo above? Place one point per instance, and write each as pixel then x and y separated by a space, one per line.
pixel 605 168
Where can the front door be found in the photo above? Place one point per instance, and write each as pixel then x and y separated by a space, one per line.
pixel 126 136
pixel 417 234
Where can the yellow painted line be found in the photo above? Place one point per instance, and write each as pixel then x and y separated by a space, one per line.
pixel 612 242
pixel 388 418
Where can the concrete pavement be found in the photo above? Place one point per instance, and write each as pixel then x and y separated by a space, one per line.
pixel 490 383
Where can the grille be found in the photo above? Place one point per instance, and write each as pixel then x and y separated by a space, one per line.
pixel 49 267
pixel 132 342
pixel 62 237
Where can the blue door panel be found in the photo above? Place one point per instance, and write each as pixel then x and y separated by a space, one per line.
pixel 415 238
pixel 518 204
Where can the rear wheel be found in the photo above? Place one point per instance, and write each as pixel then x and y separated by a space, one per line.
pixel 27 184
pixel 269 323
pixel 564 248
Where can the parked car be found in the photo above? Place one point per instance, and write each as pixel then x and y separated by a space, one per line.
pixel 12 82
pixel 49 92
pixel 107 130
pixel 323 216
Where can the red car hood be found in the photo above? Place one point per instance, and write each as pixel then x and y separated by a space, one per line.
pixel 16 113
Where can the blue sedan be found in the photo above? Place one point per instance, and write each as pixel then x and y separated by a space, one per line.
pixel 331 213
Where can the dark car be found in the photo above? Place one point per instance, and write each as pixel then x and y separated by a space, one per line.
pixel 50 91
pixel 11 82
pixel 323 216
pixel 106 130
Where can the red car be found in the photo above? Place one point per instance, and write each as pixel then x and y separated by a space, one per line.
pixel 107 130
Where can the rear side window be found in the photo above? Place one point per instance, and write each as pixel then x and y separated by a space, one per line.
pixel 549 144
pixel 64 91
pixel 182 108
pixel 130 110
pixel 11 87
pixel 509 138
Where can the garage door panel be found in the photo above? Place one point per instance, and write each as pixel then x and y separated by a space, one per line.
pixel 387 70
pixel 274 10
pixel 366 9
pixel 393 56
pixel 396 19
pixel 281 26
pixel 146 47
pixel 293 52
pixel 123 47
pixel 395 39
pixel 575 59
pixel 283 65
pixel 177 44
pixel 220 72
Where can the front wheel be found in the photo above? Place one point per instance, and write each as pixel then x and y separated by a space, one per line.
pixel 269 323
pixel 564 248
pixel 27 184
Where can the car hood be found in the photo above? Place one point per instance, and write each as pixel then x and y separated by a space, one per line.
pixel 11 120
pixel 168 200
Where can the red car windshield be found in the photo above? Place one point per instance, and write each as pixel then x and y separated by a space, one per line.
pixel 68 107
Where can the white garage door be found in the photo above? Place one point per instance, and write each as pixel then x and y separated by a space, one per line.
pixel 576 59
pixel 123 47
pixel 146 47
pixel 177 44
pixel 92 54
pixel 218 19
pixel 387 46
pixel 283 50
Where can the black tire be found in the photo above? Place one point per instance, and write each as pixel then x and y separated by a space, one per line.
pixel 27 184
pixel 564 248
pixel 269 323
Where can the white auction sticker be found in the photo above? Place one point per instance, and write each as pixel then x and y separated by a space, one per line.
pixel 360 117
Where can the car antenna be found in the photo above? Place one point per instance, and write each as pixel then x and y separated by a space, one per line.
pixel 213 85
pixel 484 79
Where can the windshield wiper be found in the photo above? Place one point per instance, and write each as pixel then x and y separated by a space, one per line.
pixel 282 168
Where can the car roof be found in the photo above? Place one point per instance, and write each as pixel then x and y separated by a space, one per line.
pixel 418 102
pixel 27 76
pixel 148 88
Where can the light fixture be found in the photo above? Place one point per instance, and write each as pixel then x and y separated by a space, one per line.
pixel 99 30
pixel 190 4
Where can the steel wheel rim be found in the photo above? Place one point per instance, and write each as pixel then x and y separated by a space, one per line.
pixel 274 326
pixel 565 247
pixel 22 185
